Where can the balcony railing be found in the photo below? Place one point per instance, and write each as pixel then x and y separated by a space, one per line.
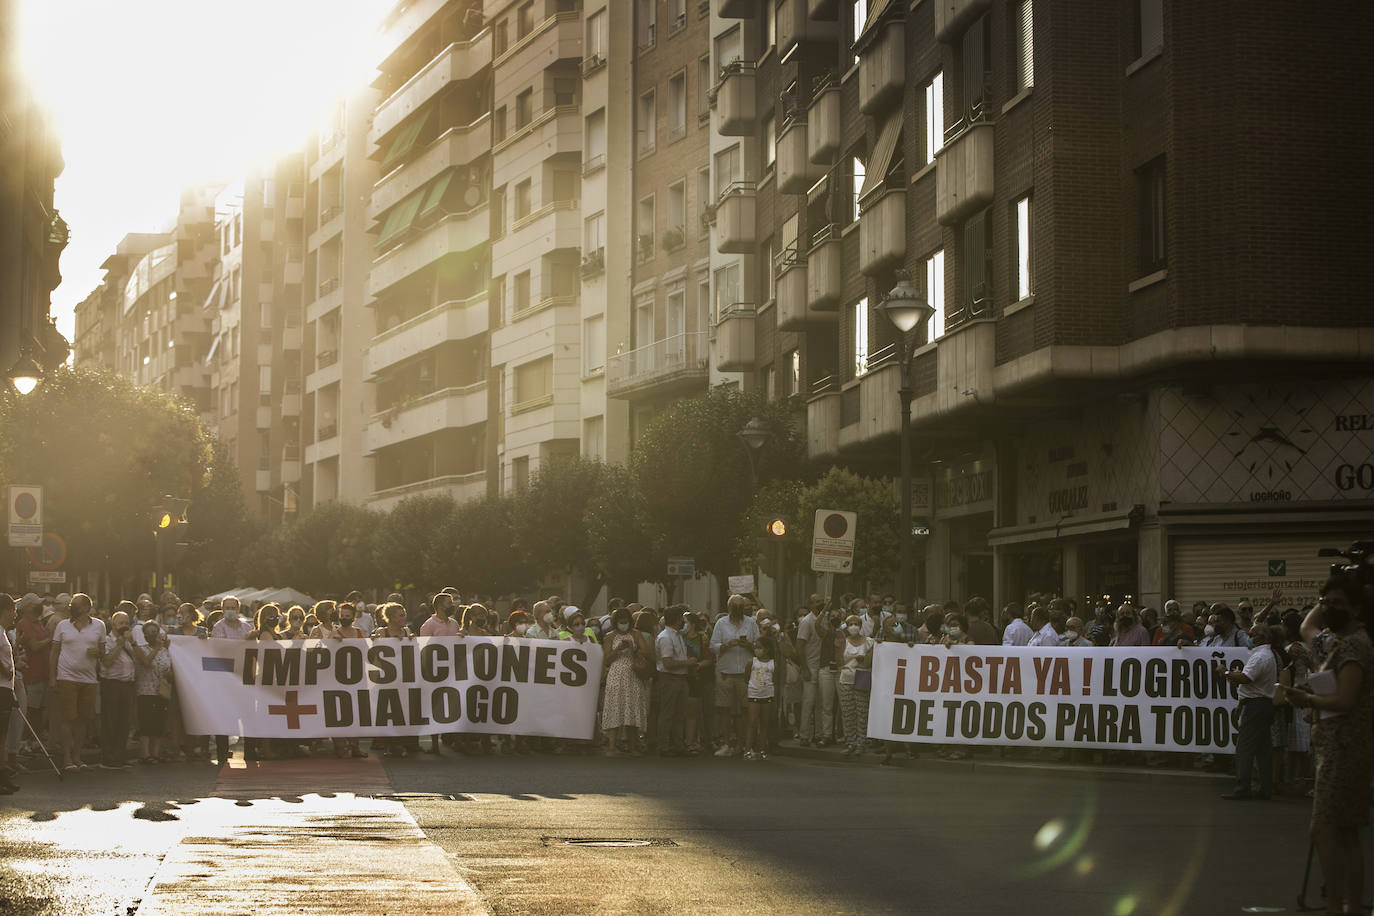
pixel 327 431
pixel 326 358
pixel 328 286
pixel 660 361
pixel 330 212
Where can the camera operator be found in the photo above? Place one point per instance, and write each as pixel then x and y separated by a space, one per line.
pixel 1342 739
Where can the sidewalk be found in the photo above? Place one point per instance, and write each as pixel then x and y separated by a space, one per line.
pixel 990 760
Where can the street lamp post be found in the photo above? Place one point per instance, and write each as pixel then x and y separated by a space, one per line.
pixel 906 309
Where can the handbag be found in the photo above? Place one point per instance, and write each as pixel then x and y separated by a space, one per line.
pixel 643 667
pixel 863 680
pixel 164 688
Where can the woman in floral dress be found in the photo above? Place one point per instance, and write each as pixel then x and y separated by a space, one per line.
pixel 622 713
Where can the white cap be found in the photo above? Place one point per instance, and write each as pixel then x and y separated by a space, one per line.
pixel 64 599
pixel 29 600
pixel 569 610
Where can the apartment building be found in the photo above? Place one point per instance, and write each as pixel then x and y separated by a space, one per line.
pixel 98 316
pixel 256 356
pixel 1093 220
pixel 660 338
pixel 339 321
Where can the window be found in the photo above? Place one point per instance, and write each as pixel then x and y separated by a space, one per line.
pixel 498 212
pixel 498 124
pixel 770 142
pixel 791 379
pixel 703 310
pixel 770 381
pixel 564 92
pixel 677 211
pixel 728 48
pixel 566 186
pixel 265 315
pixel 520 473
pixel 677 104
pixel 935 116
pixel 861 337
pixel 1023 67
pixel 769 270
pixel 648 23
pixel 596 139
pixel 501 37
pixel 596 35
pixel 497 292
pixel 727 289
pixel 704 83
pixel 856 186
pixel 644 227
pixel 678 10
pixel 524 23
pixel 935 294
pixel 974 57
pixel 594 437
pixel 522 199
pixel 704 198
pixel 1149 26
pixel 648 117
pixel 522 291
pixel 975 261
pixel 857 23
pixel 594 233
pixel 524 108
pixel 265 379
pixel 727 169
pixel 1023 248
pixel 1151 203
pixel 770 24
pixel 644 322
pixel 594 345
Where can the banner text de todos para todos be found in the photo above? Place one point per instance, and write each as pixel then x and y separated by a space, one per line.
pixel 1154 699
pixel 370 688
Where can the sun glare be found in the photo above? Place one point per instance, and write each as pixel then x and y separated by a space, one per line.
pixel 150 96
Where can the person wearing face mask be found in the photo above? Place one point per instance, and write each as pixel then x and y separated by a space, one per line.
pixel 1045 633
pixel 1173 631
pixel 1072 637
pixel 817 672
pixel 1224 631
pixel 441 622
pixel 230 626
pixel 624 714
pixel 733 640
pixel 980 631
pixel 154 688
pixel 542 626
pixel 699 680
pixel 1129 632
pixel 856 655
pixel 295 623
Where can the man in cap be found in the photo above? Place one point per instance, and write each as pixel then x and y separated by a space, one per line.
pixel 1173 631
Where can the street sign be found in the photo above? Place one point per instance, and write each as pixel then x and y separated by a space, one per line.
pixel 25 515
pixel 832 541
pixel 49 555
pixel 741 585
pixel 682 566
pixel 47 576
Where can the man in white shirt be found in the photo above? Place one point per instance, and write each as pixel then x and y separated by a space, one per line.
pixel 674 666
pixel 77 643
pixel 1255 688
pixel 116 693
pixel 733 642
pixel 818 681
pixel 231 626
pixel 1018 632
pixel 1045 633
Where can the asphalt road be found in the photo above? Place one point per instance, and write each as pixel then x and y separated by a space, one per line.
pixel 778 836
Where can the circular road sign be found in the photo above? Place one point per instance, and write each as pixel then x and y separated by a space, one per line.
pixel 835 525
pixel 51 555
pixel 25 505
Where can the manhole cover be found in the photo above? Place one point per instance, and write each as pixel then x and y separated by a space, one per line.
pixel 615 842
pixel 422 796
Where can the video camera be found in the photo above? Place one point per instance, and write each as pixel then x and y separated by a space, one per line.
pixel 1358 565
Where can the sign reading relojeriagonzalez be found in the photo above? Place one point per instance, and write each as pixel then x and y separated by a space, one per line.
pixel 1153 699
pixel 371 688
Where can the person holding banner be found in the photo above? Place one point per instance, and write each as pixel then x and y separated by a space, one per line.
pixel 857 656
pixel 392 615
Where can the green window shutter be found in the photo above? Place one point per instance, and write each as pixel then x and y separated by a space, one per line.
pixel 400 218
pixel 403 140
pixel 434 196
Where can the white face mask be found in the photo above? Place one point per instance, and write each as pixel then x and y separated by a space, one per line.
pixel 854 631
pixel 1209 630
pixel 520 629
pixel 623 627
pixel 1072 634
pixel 232 615
pixel 955 631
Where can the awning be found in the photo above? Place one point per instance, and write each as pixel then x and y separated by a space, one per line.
pixel 400 217
pixel 1072 526
pixel 880 163
pixel 435 196
pixel 217 288
pixel 403 141
pixel 214 348
pixel 875 15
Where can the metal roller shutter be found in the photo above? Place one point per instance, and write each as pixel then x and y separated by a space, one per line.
pixel 1230 568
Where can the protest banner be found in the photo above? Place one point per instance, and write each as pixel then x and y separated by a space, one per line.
pixel 1152 699
pixel 375 688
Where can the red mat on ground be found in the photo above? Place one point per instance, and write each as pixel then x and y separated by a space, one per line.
pixel 288 778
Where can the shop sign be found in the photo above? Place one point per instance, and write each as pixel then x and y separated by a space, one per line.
pixel 969 486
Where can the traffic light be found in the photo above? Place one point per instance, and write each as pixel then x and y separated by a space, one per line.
pixel 773 526
pixel 169 515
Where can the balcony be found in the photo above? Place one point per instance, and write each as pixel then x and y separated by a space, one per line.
pixel 459 61
pixel 735 9
pixel 823 127
pixel 448 408
pixel 455 320
pixel 735 339
pixel 736 228
pixel 291 403
pixel 823 420
pixel 291 465
pixel 734 100
pixel 291 338
pixel 882 232
pixel 456 232
pixel 882 68
pixel 794 311
pixel 455 146
pixel 558 37
pixel 410 20
pixel 963 174
pixel 951 16
pixel 795 172
pixel 462 487
pixel 825 271
pixel 675 364
pixel 823 10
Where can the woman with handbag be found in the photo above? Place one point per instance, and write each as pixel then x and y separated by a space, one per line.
pixel 153 691
pixel 623 708
pixel 856 658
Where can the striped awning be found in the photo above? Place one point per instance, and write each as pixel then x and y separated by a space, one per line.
pixel 880 163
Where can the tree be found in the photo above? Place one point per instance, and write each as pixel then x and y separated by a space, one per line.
pixel 876 549
pixel 550 517
pixel 693 471
pixel 485 554
pixel 416 542
pixel 105 451
pixel 625 545
pixel 329 551
pixel 221 528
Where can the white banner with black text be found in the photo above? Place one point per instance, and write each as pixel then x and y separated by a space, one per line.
pixel 376 688
pixel 1152 699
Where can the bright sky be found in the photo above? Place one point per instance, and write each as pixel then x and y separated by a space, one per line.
pixel 151 96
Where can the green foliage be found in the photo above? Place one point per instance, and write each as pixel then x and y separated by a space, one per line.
pixel 876 549
pixel 694 472
pixel 625 545
pixel 416 543
pixel 329 550
pixel 550 516
pixel 221 528
pixel 105 451
pixel 485 554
